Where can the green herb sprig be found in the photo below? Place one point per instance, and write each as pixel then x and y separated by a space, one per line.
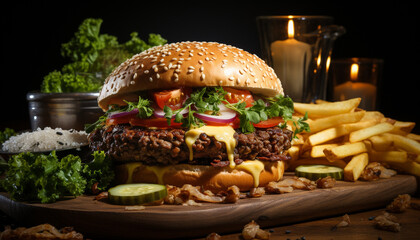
pixel 93 56
pixel 47 178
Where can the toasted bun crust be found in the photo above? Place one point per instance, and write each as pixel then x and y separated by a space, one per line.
pixel 209 177
pixel 192 64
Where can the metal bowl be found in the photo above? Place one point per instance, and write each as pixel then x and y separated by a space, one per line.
pixel 63 110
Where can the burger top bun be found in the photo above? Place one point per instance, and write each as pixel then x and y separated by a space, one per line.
pixel 192 64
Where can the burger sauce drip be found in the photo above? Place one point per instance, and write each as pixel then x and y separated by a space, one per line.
pixel 222 134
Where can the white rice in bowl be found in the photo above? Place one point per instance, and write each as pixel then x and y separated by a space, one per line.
pixel 46 139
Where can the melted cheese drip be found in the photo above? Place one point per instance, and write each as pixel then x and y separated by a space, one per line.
pixel 222 134
pixel 158 171
pixel 130 169
pixel 254 168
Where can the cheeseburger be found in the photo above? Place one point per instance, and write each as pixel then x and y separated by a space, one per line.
pixel 199 113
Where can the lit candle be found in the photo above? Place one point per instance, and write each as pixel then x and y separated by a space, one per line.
pixel 290 62
pixel 354 89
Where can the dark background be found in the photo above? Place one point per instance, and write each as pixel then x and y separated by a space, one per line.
pixel 32 33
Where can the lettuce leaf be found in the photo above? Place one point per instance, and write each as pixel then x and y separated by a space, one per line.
pixel 46 178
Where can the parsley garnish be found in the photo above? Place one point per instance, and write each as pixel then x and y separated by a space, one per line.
pixel 207 100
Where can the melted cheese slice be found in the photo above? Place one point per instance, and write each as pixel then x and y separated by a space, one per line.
pixel 220 133
pixel 253 167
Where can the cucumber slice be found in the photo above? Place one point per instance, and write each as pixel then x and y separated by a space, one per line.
pixel 136 193
pixel 315 172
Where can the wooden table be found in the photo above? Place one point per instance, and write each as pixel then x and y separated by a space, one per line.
pixel 289 216
pixel 361 228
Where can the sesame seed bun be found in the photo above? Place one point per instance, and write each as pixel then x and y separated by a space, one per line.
pixel 192 64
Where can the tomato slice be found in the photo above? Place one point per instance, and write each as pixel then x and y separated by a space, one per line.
pixel 171 98
pixel 154 122
pixel 235 95
pixel 234 124
pixel 272 122
pixel 120 120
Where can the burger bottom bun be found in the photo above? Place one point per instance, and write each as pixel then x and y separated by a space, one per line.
pixel 209 177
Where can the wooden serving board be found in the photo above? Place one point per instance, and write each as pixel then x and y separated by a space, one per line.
pixel 97 219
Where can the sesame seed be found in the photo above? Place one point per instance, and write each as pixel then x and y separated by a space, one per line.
pixel 176 75
pixel 231 78
pixel 157 75
pixel 132 82
pixel 134 75
pixel 255 80
pixel 191 67
pixel 224 65
pixel 150 79
pixel 169 65
pixel 176 79
pixel 200 61
pixel 238 81
pixel 161 65
pixel 220 82
pixel 203 76
pixel 190 70
pixel 146 71
pixel 179 62
pixel 156 69
pixel 177 70
pixel 174 59
pixel 165 68
pixel 241 72
pixel 191 54
pixel 200 53
pixel 201 69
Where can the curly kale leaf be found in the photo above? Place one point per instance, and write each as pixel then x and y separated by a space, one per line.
pixel 44 178
pixel 93 56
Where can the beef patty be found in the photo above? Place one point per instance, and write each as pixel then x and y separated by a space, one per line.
pixel 125 143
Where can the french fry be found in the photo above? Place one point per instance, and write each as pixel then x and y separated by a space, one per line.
pixel 412 168
pixel 406 127
pixel 414 136
pixel 404 143
pixel 320 101
pixel 327 135
pixel 390 156
pixel 327 109
pixel 355 167
pixel 381 143
pixel 366 133
pixel 294 152
pixel 351 127
pixel 331 121
pixel 345 150
pixel 369 115
pixel 318 151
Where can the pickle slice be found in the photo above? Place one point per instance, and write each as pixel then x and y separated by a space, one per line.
pixel 136 193
pixel 315 172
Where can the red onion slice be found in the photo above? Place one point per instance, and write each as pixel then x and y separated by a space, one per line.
pixel 124 114
pixel 226 115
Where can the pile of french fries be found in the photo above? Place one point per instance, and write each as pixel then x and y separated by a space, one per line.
pixel 346 136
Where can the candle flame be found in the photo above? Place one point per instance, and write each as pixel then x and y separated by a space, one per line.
pixel 354 71
pixel 291 29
